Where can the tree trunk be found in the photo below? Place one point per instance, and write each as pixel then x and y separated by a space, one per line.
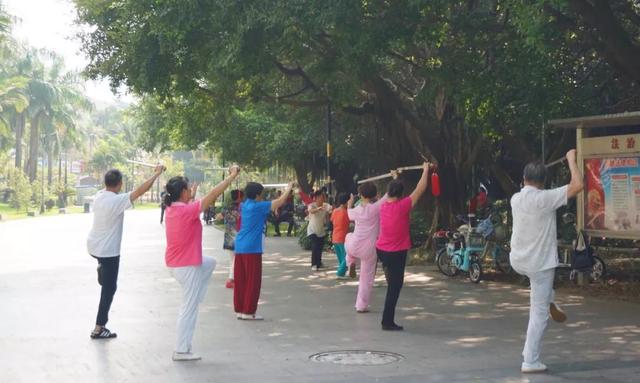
pixel 59 168
pixel 302 178
pixel 49 166
pixel 31 168
pixel 19 122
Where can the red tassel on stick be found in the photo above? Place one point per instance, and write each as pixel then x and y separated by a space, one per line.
pixel 435 184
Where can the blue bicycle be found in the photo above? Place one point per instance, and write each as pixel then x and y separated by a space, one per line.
pixel 468 246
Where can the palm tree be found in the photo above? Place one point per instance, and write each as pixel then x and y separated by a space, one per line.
pixel 13 89
pixel 61 127
pixel 54 98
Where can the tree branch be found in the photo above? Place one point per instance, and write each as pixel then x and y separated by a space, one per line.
pixel 297 71
pixel 364 108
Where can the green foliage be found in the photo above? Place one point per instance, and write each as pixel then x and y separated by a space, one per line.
pixel 21 190
pixel 467 84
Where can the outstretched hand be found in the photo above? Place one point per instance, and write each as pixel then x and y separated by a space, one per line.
pixel 571 156
pixel 234 170
pixel 159 169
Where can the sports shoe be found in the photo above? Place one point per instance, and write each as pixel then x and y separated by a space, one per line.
pixel 250 317
pixel 185 357
pixel 104 333
pixel 314 268
pixel 392 327
pixel 533 368
pixel 363 311
pixel 556 313
pixel 352 271
pixel 230 284
pixel 341 277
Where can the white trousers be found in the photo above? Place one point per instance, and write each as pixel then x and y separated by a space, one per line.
pixel 194 281
pixel 232 256
pixel 541 296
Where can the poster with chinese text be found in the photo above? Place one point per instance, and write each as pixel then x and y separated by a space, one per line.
pixel 612 200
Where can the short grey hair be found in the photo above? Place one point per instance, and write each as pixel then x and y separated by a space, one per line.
pixel 535 172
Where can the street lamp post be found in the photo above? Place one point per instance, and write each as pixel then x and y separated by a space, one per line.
pixel 329 148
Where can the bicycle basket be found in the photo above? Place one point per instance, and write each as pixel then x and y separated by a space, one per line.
pixel 475 240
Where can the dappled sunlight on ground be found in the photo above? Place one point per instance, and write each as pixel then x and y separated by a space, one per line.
pixel 469 342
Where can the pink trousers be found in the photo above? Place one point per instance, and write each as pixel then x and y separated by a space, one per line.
pixel 368 259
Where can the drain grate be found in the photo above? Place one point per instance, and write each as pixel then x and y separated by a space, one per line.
pixel 357 357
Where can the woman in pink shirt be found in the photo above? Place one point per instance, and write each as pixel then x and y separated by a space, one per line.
pixel 394 241
pixel 184 253
pixel 361 244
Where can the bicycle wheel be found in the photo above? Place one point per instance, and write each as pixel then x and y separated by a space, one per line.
pixel 598 270
pixel 501 257
pixel 475 271
pixel 444 262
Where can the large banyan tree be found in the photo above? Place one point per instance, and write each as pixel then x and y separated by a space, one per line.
pixel 466 84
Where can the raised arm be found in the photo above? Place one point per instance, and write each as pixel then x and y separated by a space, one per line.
pixel 351 202
pixel 276 203
pixel 421 187
pixel 217 190
pixel 575 185
pixel 147 184
pixel 194 190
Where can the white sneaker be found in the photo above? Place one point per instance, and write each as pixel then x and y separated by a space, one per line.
pixel 314 268
pixel 533 368
pixel 250 317
pixel 185 357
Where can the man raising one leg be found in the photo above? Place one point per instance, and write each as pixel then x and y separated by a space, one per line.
pixel 534 249
pixel 105 237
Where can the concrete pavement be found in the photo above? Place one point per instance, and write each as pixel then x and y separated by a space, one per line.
pixel 454 331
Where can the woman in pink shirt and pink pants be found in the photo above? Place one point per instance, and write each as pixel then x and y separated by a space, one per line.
pixel 394 241
pixel 361 244
pixel 184 253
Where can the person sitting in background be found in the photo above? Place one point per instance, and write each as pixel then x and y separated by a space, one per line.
pixel 285 214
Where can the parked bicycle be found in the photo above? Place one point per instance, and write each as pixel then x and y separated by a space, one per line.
pixel 467 247
pixel 580 256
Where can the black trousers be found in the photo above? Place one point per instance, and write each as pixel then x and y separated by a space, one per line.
pixel 108 271
pixel 393 264
pixel 317 243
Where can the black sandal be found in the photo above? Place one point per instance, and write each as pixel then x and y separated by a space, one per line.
pixel 103 334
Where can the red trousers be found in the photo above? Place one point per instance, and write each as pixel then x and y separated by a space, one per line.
pixel 247 278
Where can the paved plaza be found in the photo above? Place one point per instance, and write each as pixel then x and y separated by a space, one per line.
pixel 454 331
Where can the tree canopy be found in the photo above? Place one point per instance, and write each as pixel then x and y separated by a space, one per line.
pixel 466 84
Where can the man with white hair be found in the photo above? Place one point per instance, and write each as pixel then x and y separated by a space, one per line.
pixel 534 249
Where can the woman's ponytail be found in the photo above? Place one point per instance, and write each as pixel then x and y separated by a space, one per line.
pixel 174 188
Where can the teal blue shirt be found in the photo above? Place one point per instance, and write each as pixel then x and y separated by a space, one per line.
pixel 254 216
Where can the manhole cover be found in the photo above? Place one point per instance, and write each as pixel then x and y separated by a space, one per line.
pixel 357 357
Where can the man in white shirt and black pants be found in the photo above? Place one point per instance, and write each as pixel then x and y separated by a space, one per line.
pixel 534 249
pixel 105 238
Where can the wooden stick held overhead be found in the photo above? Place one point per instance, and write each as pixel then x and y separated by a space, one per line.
pixel 142 163
pixel 553 163
pixel 391 173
